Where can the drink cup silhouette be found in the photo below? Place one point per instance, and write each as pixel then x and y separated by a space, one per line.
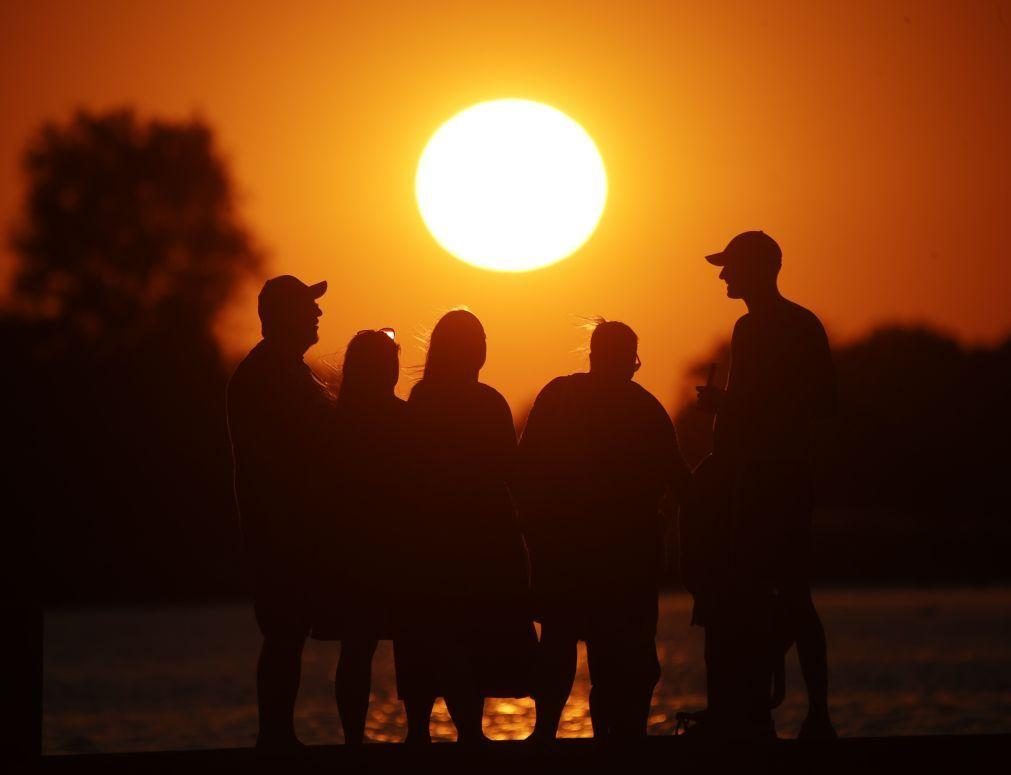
pixel 704 391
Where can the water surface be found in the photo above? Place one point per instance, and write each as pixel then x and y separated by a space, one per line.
pixel 132 679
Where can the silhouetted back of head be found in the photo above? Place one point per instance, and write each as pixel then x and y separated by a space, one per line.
pixel 614 350
pixel 371 366
pixel 456 349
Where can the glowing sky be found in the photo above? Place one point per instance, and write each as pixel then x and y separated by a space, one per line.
pixel 869 138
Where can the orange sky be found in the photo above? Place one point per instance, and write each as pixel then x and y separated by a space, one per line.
pixel 871 139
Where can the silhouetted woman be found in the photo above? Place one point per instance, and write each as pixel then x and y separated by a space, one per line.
pixel 359 561
pixel 470 635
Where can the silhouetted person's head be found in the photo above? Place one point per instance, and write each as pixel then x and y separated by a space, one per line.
pixel 371 365
pixel 751 263
pixel 456 349
pixel 614 350
pixel 289 315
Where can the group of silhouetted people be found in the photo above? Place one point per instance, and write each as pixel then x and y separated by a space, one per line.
pixel 366 517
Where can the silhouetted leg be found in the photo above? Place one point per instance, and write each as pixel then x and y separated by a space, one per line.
pixel 555 674
pixel 738 672
pixel 723 675
pixel 467 711
pixel 794 584
pixel 791 509
pixel 600 710
pixel 623 669
pixel 419 719
pixel 647 669
pixel 634 697
pixel 416 666
pixel 463 700
pixel 716 702
pixel 768 506
pixel 352 685
pixel 278 673
pixel 756 666
pixel 812 651
pixel 631 717
pixel 598 661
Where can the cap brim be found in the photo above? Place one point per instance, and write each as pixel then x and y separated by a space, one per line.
pixel 317 290
pixel 717 259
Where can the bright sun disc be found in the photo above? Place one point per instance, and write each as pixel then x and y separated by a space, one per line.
pixel 511 185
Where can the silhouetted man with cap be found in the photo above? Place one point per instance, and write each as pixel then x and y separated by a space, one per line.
pixel 278 417
pixel 597 455
pixel 781 381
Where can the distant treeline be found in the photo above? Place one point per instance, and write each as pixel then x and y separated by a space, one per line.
pixel 124 463
pixel 118 468
pixel 912 477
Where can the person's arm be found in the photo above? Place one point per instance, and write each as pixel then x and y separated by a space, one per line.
pixel 677 475
pixel 536 432
pixel 824 387
pixel 300 420
pixel 503 438
pixel 680 477
pixel 536 442
pixel 815 395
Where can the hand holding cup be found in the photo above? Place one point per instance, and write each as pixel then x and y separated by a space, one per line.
pixel 710 398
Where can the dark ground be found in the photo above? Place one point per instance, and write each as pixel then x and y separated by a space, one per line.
pixel 862 755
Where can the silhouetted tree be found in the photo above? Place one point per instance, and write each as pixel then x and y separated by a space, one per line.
pixel 129 227
pixel 129 246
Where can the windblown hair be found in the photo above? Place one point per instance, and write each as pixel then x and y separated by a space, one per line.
pixel 613 345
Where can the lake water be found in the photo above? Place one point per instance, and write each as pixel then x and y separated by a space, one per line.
pixel 131 679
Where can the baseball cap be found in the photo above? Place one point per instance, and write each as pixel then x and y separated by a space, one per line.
pixel 285 293
pixel 749 246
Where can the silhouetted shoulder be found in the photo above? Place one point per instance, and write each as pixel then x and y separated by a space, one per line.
pixel 491 395
pixel 556 385
pixel 558 388
pixel 648 400
pixel 652 410
pixel 743 321
pixel 803 317
pixel 494 402
pixel 248 367
pixel 742 326
pixel 253 383
pixel 416 391
pixel 478 396
pixel 423 391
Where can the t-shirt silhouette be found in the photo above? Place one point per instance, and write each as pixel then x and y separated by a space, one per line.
pixel 595 458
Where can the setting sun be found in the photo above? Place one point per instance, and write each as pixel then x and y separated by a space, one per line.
pixel 511 185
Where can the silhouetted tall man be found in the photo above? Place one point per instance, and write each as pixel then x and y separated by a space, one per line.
pixel 597 454
pixel 278 418
pixel 781 381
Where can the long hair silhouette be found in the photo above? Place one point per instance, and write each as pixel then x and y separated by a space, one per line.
pixel 456 348
pixel 371 366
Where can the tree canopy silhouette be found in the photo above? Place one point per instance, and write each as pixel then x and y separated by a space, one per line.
pixel 129 227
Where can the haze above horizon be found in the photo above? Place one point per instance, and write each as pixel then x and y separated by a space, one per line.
pixel 870 141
